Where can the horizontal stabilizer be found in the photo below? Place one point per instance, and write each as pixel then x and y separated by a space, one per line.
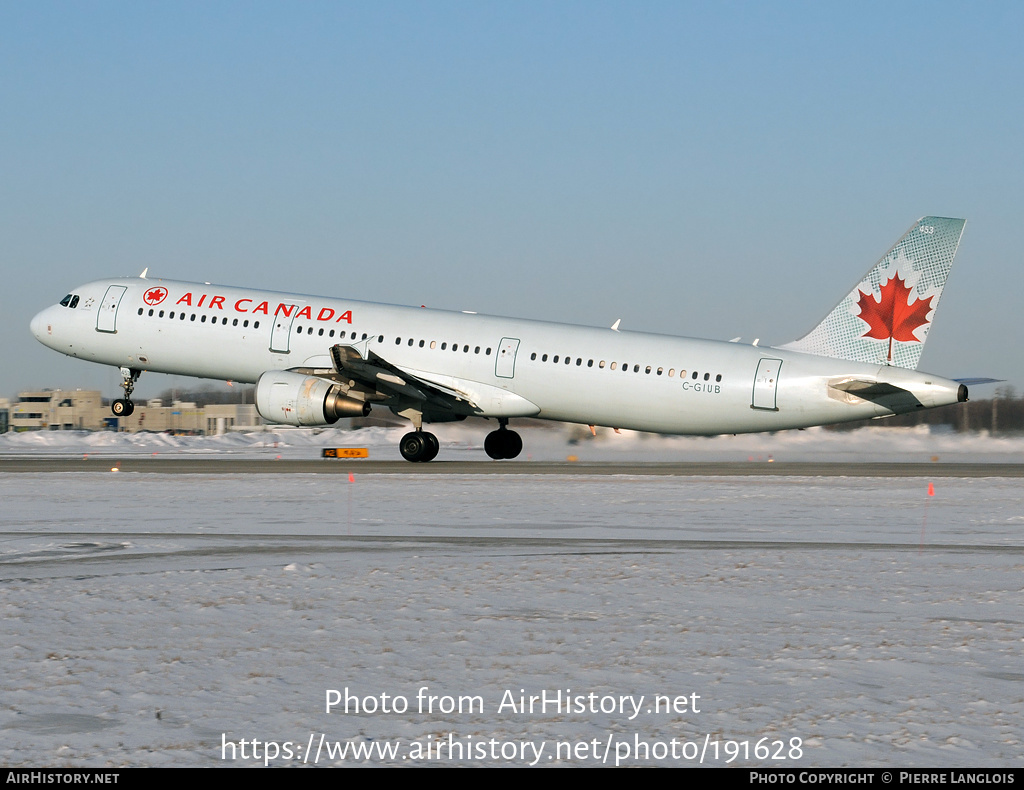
pixel 972 382
pixel 868 390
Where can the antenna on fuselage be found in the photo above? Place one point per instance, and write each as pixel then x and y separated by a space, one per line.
pixel 615 326
pixel 144 273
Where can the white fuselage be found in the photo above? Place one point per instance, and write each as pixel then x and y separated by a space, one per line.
pixel 505 367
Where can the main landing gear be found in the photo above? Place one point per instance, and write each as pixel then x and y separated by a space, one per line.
pixel 124 407
pixel 503 443
pixel 419 446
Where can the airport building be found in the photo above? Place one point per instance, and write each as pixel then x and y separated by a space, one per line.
pixel 84 410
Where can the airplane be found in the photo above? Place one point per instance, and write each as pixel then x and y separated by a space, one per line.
pixel 315 360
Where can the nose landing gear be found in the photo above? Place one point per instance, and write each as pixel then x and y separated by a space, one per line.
pixel 124 407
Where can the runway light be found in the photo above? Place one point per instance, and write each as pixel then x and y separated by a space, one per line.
pixel 931 490
pixel 351 477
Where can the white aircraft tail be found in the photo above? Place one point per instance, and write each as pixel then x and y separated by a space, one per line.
pixel 885 319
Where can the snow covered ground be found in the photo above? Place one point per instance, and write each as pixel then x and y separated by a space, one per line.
pixel 464 441
pixel 162 619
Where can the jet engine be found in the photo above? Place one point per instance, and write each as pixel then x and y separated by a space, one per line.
pixel 298 399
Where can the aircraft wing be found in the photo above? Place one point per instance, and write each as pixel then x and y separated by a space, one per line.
pixel 370 370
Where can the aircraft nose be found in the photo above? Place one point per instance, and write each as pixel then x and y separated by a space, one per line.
pixel 40 326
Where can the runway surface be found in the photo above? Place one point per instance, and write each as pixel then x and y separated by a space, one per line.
pixel 150 618
pixel 287 466
pixel 860 593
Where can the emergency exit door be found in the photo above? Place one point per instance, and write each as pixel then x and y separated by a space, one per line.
pixel 766 383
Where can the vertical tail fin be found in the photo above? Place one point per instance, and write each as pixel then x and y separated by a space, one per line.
pixel 885 319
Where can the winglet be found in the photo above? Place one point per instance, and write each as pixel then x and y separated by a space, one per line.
pixel 885 319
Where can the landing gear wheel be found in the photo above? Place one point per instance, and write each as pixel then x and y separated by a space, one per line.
pixel 503 443
pixel 419 446
pixel 433 447
pixel 122 408
pixel 513 444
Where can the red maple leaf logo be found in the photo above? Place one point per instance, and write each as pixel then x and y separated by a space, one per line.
pixel 155 296
pixel 892 316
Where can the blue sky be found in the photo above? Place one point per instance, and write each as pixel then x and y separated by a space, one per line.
pixel 708 170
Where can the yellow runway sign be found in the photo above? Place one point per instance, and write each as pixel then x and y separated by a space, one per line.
pixel 345 452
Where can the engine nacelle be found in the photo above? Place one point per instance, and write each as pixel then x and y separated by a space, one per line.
pixel 297 399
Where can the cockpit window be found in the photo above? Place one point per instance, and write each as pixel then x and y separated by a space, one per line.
pixel 74 301
pixel 65 301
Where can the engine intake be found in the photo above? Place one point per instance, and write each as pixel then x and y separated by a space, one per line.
pixel 297 399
